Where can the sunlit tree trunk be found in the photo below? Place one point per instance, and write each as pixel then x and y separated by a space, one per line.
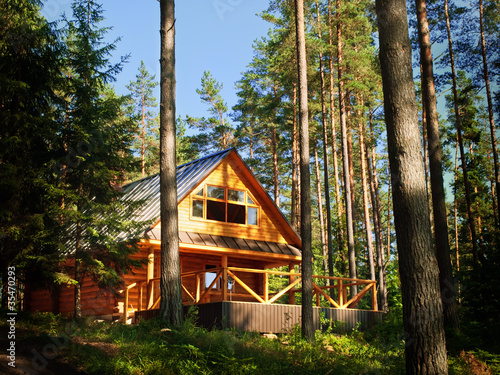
pixel 295 210
pixel 170 278
pixel 305 182
pixel 377 219
pixel 338 200
pixel 345 156
pixel 326 164
pixel 368 225
pixel 429 102
pixel 425 345
pixel 321 218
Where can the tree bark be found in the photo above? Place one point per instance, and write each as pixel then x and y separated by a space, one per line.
pixel 295 210
pixel 368 225
pixel 458 125
pixel 377 221
pixel 326 166
pixel 170 281
pixel 425 348
pixel 446 280
pixel 490 109
pixel 338 201
pixel 345 156
pixel 320 212
pixel 305 182
pixel 276 184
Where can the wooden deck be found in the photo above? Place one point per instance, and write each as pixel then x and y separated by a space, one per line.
pixel 250 316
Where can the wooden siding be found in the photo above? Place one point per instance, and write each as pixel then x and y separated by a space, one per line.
pixel 246 316
pixel 230 174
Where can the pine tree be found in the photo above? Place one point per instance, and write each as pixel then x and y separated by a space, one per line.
pixel 144 103
pixel 305 193
pixel 170 279
pixel 216 132
pixel 425 348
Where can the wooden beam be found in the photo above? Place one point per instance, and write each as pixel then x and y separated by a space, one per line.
pixel 149 276
pixel 291 294
pixel 328 298
pixel 246 287
pixel 354 300
pixel 224 277
pixel 290 286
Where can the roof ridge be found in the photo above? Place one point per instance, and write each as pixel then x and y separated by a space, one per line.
pixel 206 157
pixel 179 166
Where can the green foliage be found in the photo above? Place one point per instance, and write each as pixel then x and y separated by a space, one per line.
pixel 145 113
pixel 147 348
pixel 30 72
pixel 216 133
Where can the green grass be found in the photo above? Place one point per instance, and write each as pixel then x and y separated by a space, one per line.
pixel 105 348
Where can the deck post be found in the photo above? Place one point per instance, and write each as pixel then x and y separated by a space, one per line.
pixel 140 295
pixel 125 307
pixel 224 277
pixel 341 294
pixel 198 291
pixel 374 297
pixel 149 276
pixel 291 293
pixel 266 287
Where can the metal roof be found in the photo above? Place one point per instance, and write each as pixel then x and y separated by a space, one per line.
pixel 231 242
pixel 188 176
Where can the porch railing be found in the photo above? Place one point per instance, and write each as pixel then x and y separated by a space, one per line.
pixel 195 288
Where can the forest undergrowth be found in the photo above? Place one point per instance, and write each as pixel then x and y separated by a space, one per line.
pixel 97 347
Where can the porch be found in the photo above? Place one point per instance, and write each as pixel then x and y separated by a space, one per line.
pixel 225 300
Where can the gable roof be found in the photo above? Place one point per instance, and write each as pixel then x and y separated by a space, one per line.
pixel 189 175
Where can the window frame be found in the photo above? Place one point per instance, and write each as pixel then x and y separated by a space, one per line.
pixel 205 198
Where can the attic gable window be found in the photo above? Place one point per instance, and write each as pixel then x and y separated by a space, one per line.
pixel 225 205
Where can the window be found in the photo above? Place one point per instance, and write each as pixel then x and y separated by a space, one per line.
pixel 224 205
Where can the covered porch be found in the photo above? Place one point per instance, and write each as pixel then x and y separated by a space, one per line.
pixel 225 300
pixel 239 280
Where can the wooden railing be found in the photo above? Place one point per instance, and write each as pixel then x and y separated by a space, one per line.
pixel 219 289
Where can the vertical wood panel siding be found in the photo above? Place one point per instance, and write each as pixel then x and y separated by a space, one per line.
pixel 229 174
pixel 258 317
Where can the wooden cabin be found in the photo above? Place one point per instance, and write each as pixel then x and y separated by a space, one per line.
pixel 232 239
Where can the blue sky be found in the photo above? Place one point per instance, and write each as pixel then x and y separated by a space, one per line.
pixel 215 35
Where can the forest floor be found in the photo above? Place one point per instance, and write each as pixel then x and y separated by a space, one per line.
pixel 49 345
pixel 33 355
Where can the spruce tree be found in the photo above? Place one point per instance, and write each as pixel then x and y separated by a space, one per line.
pixel 29 140
pixel 98 138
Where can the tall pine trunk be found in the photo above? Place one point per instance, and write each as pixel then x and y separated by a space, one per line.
pixel 377 219
pixel 368 226
pixel 321 218
pixel 458 125
pixel 338 200
pixel 490 108
pixel 425 345
pixel 326 164
pixel 429 102
pixel 170 281
pixel 295 210
pixel 305 181
pixel 345 158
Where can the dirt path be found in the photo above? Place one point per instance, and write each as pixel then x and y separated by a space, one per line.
pixel 34 355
